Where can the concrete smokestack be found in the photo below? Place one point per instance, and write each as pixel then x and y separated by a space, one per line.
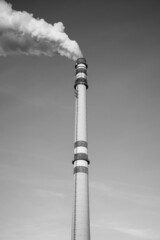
pixel 80 218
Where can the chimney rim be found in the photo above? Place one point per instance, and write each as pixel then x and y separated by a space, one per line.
pixel 81 61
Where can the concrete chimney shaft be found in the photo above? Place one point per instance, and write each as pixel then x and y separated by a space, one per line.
pixel 80 217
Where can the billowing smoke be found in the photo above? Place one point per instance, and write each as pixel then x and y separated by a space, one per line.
pixel 21 33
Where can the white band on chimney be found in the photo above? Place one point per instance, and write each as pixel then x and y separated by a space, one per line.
pixel 80 163
pixel 81 150
pixel 81 65
pixel 81 75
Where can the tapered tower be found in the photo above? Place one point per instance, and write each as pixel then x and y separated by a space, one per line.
pixel 80 218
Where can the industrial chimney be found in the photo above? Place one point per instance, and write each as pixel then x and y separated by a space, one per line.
pixel 80 218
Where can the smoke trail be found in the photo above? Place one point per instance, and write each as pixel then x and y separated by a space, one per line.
pixel 21 33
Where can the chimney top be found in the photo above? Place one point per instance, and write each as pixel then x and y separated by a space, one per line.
pixel 81 61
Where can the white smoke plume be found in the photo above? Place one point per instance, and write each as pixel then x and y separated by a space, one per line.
pixel 21 33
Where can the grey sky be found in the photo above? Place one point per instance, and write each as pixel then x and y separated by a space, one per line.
pixel 121 42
